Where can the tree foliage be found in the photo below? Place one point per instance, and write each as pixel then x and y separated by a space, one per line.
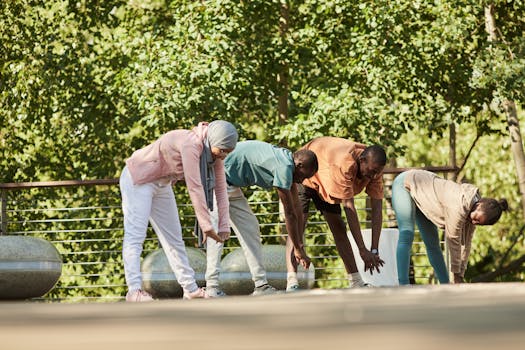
pixel 85 83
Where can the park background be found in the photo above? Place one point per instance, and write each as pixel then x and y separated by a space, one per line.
pixel 85 83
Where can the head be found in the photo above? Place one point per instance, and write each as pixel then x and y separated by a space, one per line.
pixel 372 162
pixel 487 211
pixel 222 137
pixel 305 165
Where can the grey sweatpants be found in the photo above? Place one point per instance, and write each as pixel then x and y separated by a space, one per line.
pixel 246 228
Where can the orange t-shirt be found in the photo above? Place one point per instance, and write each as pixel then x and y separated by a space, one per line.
pixel 336 178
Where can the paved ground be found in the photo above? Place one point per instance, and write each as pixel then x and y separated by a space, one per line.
pixel 469 316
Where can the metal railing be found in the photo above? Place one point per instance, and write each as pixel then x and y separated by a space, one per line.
pixel 83 220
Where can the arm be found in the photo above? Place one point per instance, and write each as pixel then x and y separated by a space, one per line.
pixel 460 254
pixel 371 260
pixel 353 223
pixel 376 193
pixel 465 249
pixel 454 249
pixel 377 225
pixel 459 229
pixel 223 203
pixel 294 222
pixel 377 221
pixel 190 156
pixel 454 228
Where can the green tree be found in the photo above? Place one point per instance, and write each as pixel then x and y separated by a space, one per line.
pixel 507 84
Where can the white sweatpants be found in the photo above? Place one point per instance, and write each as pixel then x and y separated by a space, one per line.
pixel 246 228
pixel 154 202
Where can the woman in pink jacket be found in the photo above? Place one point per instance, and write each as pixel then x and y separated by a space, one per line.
pixel 195 156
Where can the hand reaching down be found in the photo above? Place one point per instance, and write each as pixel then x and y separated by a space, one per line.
pixel 212 234
pixel 372 261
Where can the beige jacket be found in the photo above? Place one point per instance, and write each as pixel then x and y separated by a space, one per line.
pixel 448 205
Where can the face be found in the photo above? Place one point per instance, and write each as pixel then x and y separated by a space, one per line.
pixel 369 169
pixel 477 216
pixel 300 173
pixel 219 153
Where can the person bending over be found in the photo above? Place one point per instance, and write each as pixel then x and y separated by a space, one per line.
pixel 147 195
pixel 345 169
pixel 267 166
pixel 423 198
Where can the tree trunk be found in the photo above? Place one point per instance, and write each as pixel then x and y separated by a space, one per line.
pixel 516 145
pixel 452 150
pixel 510 110
pixel 282 78
pixel 388 180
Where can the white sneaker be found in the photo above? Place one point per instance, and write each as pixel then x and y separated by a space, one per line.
pixel 360 285
pixel 293 288
pixel 265 289
pixel 138 296
pixel 215 292
pixel 200 293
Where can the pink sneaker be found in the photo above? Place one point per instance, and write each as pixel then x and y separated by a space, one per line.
pixel 138 296
pixel 198 294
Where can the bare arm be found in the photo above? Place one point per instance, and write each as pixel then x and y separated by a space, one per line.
pixel 294 222
pixel 377 221
pixel 353 223
pixel 377 224
pixel 371 260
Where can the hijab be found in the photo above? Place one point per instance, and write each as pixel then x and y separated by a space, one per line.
pixel 223 135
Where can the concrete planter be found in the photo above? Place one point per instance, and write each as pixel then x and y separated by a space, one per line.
pixel 158 278
pixel 235 277
pixel 29 267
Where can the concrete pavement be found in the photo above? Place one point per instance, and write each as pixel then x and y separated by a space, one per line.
pixel 468 316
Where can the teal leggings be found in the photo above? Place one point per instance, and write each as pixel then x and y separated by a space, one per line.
pixel 407 213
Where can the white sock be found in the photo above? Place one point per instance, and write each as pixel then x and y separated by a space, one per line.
pixel 355 280
pixel 291 279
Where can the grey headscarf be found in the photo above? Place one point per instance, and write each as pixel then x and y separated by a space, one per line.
pixel 223 135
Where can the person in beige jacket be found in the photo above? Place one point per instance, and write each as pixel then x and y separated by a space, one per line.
pixel 421 197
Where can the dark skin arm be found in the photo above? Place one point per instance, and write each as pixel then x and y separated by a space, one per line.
pixel 371 260
pixel 214 235
pixel 377 223
pixel 294 223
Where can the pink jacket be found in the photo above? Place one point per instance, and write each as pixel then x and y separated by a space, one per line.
pixel 176 156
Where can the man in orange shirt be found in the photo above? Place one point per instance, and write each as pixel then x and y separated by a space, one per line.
pixel 345 169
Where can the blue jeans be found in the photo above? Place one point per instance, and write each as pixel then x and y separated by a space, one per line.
pixel 407 213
